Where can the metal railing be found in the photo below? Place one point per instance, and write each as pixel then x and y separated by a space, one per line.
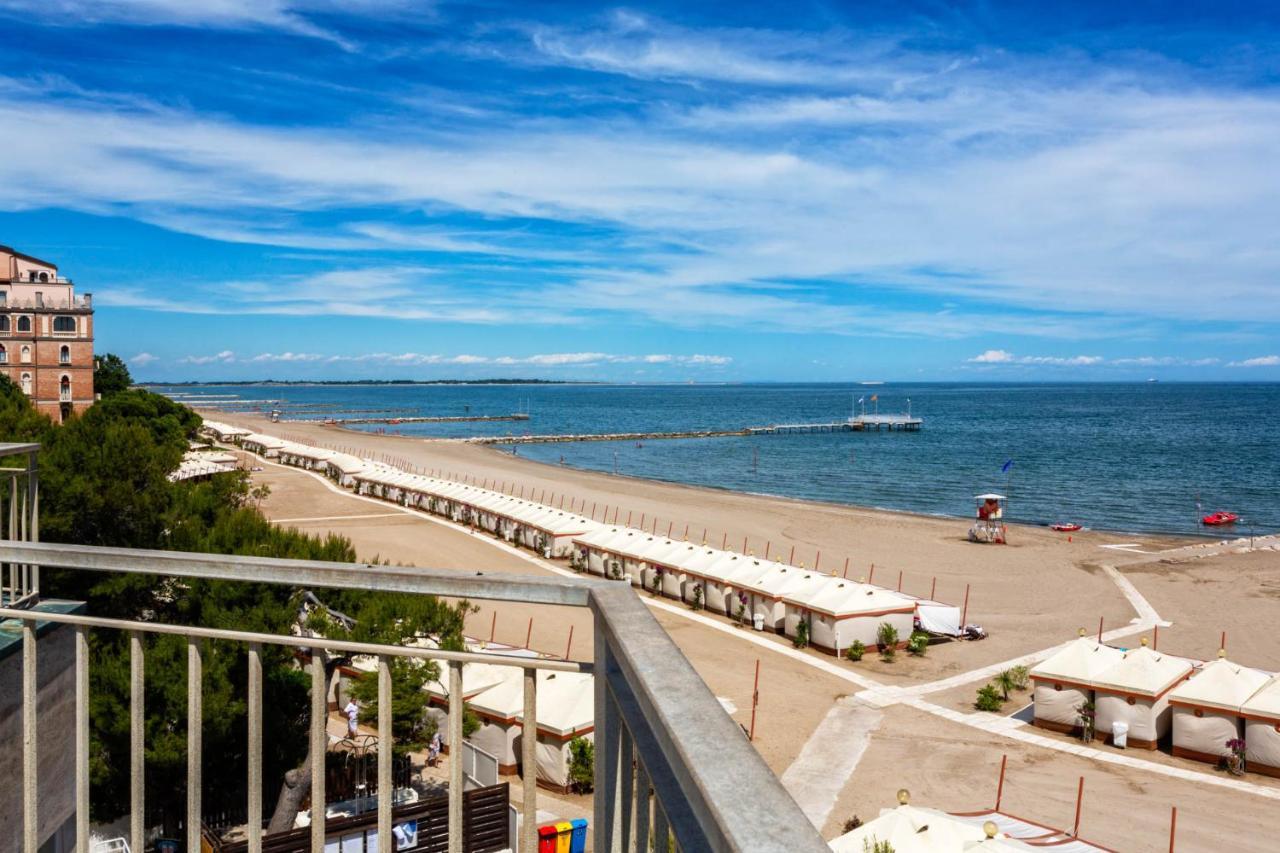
pixel 668 761
pixel 19 521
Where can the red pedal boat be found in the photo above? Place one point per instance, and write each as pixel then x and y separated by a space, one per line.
pixel 1215 519
pixel 1065 527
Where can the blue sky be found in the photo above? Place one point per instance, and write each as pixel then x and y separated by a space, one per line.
pixel 767 191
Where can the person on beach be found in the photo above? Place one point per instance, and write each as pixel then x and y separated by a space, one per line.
pixel 352 712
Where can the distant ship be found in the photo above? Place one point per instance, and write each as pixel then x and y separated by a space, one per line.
pixel 871 383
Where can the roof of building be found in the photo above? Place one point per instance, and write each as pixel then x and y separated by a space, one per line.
pixel 12 251
pixel 1220 684
pixel 1143 671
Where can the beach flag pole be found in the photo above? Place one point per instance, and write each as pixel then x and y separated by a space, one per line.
pixel 766 549
pixel 568 645
pixel 642 518
pixel 899 580
pixel 1004 760
pixel 654 532
pixel 816 560
pixel 670 524
pixel 493 627
pixel 791 561
pixel 1223 645
pixel 528 637
pixel 1075 830
pixel 724 540
pixel 744 544
pixel 1173 827
pixel 964 615
pixel 1099 629
pixel 686 531
pixel 628 518
pixel 755 701
pixel 933 588
pixel 846 568
pixel 1155 641
pixel 871 578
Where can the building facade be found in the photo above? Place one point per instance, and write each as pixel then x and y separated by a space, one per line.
pixel 46 335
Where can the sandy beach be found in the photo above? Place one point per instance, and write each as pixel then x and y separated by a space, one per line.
pixel 1034 593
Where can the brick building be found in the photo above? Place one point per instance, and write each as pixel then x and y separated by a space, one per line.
pixel 46 335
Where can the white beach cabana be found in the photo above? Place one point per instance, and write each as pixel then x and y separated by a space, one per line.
pixel 1065 681
pixel 840 611
pixel 1261 713
pixel 1135 691
pixel 1206 709
pixel 909 829
pixel 267 446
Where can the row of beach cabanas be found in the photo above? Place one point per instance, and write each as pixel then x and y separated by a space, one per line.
pixel 1151 694
pixel 771 595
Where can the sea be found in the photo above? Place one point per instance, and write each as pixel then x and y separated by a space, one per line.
pixel 1143 457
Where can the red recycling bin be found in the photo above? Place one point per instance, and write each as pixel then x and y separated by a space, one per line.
pixel 547 836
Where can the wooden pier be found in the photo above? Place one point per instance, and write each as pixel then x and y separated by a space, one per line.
pixel 860 423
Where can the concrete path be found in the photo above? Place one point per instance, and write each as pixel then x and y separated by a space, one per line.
pixel 829 757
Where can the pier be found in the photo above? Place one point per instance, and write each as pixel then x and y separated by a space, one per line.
pixel 860 423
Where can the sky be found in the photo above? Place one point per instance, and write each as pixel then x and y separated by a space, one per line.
pixel 813 191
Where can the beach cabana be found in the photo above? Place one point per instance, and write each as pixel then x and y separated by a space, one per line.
pixel 343 467
pixel 1261 713
pixel 1135 691
pixel 840 611
pixel 1065 681
pixel 267 446
pixel 908 829
pixel 1206 709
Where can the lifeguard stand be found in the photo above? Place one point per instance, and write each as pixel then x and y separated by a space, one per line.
pixel 989 524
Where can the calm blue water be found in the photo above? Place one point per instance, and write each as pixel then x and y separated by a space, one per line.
pixel 1132 457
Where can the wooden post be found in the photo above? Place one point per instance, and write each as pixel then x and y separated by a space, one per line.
pixel 1173 827
pixel 1075 829
pixel 1155 640
pixel 493 627
pixel 1099 629
pixel 766 549
pixel 933 588
pixel 568 645
pixel 846 568
pixel 670 524
pixel 791 561
pixel 755 700
pixel 628 517
pixel 964 614
pixel 1223 645
pixel 593 510
pixel 642 517
pixel 744 544
pixel 1004 760
pixel 686 532
pixel 816 560
pixel 899 580
pixel 724 541
pixel 871 578
pixel 528 637
pixel 654 532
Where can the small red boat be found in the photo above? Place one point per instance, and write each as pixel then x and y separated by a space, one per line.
pixel 1220 517
pixel 1065 527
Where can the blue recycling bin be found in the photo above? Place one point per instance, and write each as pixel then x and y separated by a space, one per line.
pixel 578 842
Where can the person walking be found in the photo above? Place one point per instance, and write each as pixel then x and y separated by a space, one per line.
pixel 352 712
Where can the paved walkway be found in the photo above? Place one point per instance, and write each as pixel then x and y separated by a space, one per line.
pixel 829 757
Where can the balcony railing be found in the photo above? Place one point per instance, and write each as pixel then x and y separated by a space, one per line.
pixel 19 521
pixel 64 395
pixel 670 764
pixel 79 303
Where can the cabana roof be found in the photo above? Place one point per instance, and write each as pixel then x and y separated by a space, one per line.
pixel 1220 684
pixel 269 442
pixel 1265 702
pixel 1081 662
pixel 841 597
pixel 908 829
pixel 1143 672
pixel 566 701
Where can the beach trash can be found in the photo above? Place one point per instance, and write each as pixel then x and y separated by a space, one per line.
pixel 1120 734
pixel 547 838
pixel 757 620
pixel 564 836
pixel 578 843
pixel 167 845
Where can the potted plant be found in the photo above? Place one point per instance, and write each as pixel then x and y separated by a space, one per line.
pixel 1235 761
pixel 887 639
pixel 740 614
pixel 1087 715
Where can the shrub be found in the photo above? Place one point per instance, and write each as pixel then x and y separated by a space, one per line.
pixel 918 643
pixel 1087 716
pixel 855 652
pixel 697 597
pixel 656 583
pixel 802 634
pixel 887 638
pixel 582 764
pixel 875 845
pixel 852 823
pixel 988 698
pixel 740 614
pixel 615 570
pixel 1021 677
pixel 1005 682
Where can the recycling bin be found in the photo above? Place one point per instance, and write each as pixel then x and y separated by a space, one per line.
pixel 547 836
pixel 564 836
pixel 579 840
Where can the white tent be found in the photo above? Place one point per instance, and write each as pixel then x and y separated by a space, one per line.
pixel 908 829
pixel 1206 709
pixel 1065 681
pixel 265 445
pixel 1261 713
pixel 840 611
pixel 1135 691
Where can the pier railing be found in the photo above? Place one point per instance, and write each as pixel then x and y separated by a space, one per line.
pixel 669 763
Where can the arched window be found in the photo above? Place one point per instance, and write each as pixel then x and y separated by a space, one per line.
pixel 26 354
pixel 4 355
pixel 64 324
pixel 4 322
pixel 24 324
pixel 26 384
pixel 64 354
pixel 64 387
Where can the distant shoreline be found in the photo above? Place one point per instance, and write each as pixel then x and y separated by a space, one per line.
pixel 329 383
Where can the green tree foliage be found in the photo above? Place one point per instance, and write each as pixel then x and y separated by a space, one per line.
pixel 582 765
pixel 989 698
pixel 110 374
pixel 104 481
pixel 411 726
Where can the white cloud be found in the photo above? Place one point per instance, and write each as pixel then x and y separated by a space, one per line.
pixel 1260 361
pixel 224 357
pixel 142 359
pixel 286 357
pixel 993 356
